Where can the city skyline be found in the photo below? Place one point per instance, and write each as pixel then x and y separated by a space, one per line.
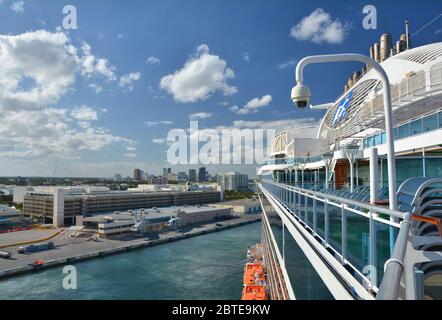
pixel 115 86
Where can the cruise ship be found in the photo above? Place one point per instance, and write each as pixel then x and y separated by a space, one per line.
pixel 333 226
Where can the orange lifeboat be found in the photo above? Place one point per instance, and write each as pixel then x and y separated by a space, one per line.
pixel 253 274
pixel 254 293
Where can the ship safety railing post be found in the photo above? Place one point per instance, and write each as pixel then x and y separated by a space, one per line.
pixel 394 268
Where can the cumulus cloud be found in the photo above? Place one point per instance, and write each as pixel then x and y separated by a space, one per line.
pixel 152 60
pixel 319 27
pixel 38 68
pixel 253 105
pixel 93 66
pixel 200 115
pixel 127 80
pixel 201 76
pixel 18 6
pixel 84 113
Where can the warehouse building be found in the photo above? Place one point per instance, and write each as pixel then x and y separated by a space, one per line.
pixel 143 221
pixel 61 206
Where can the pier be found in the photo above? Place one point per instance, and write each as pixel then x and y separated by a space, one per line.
pixel 71 252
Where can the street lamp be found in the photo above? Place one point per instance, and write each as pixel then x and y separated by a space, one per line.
pixel 301 98
pixel 327 157
pixel 351 151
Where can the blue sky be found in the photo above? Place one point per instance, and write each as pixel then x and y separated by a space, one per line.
pixel 112 114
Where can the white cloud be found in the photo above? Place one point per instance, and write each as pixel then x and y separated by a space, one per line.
pixel 155 123
pixel 92 66
pixel 253 105
pixel 95 87
pixel 287 64
pixel 200 115
pixel 201 76
pixel 319 27
pixel 18 6
pixel 127 80
pixel 129 155
pixel 84 113
pixel 38 69
pixel 160 140
pixel 131 148
pixel 153 60
pixel 120 36
pixel 246 56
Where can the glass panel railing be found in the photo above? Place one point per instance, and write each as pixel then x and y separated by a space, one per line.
pixel 335 228
pixel 423 125
pixel 358 240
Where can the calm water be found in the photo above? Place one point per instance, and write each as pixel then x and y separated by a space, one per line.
pixel 204 267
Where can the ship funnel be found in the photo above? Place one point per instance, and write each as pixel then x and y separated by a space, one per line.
pixel 376 52
pixel 386 46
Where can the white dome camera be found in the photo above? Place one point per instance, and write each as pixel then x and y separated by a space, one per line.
pixel 301 96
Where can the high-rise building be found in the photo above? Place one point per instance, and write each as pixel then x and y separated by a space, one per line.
pixel 192 175
pixel 166 171
pixel 160 180
pixel 138 174
pixel 233 181
pixel 182 176
pixel 202 174
pixel 171 177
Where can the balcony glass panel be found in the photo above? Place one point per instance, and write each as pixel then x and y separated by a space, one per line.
pixel 430 123
pixel 309 286
pixel 415 127
pixel 357 240
pixel 335 227
pixel 440 119
pixel 404 131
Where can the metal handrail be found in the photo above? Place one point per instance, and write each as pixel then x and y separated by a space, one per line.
pixel 367 206
pixel 394 267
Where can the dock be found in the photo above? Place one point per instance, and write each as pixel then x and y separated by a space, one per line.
pixel 71 253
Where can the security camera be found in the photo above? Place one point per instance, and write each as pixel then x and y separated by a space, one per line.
pixel 301 95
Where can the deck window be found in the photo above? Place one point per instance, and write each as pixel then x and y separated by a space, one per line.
pixel 404 131
pixel 416 127
pixel 430 123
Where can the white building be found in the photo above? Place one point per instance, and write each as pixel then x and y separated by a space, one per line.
pixel 233 181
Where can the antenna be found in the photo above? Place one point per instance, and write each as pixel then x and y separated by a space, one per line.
pixel 407 34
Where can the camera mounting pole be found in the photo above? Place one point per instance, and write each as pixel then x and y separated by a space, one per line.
pixel 387 106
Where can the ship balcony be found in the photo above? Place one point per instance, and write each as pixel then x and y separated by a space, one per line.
pixel 378 252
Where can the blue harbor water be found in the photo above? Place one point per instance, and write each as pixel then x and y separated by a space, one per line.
pixel 204 267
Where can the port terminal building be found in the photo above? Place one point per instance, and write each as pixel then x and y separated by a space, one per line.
pixel 62 205
pixel 143 221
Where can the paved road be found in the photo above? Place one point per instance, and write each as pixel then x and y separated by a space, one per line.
pixel 24 236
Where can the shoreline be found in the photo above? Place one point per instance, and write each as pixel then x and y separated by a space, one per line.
pixel 137 244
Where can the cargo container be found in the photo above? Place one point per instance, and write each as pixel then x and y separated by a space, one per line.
pixel 36 247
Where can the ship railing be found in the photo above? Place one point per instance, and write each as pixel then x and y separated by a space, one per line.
pixel 369 240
